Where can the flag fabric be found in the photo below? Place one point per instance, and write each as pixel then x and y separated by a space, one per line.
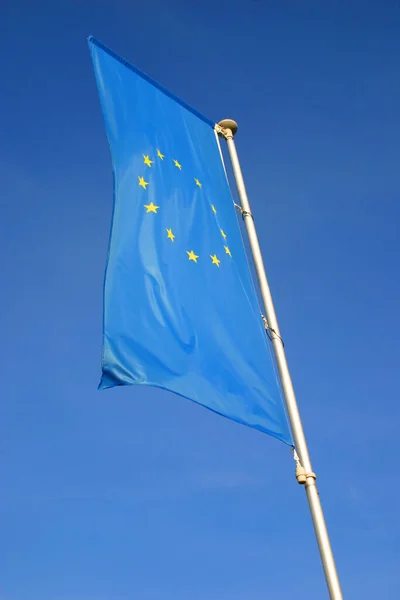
pixel 180 308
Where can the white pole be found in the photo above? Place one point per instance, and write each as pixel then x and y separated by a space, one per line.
pixel 227 129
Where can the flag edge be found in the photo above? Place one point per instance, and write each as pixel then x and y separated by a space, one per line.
pixel 264 431
pixel 161 88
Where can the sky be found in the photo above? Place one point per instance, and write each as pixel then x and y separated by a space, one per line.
pixel 133 493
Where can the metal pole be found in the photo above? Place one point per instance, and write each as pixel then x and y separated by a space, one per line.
pixel 227 129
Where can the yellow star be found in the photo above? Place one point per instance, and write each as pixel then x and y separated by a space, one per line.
pixel 170 235
pixel 214 209
pixel 142 182
pixel 160 155
pixel 198 182
pixel 177 165
pixel 223 234
pixel 192 256
pixel 151 208
pixel 215 260
pixel 228 251
pixel 147 161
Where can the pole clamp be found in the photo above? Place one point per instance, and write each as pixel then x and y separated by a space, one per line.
pixel 244 213
pixel 301 473
pixel 269 329
pixel 222 132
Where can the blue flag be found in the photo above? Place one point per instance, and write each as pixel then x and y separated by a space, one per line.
pixel 180 308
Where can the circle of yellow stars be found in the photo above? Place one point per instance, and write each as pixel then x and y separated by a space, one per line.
pixel 153 208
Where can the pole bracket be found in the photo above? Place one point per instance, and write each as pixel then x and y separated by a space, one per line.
pixel 269 329
pixel 220 130
pixel 244 213
pixel 226 128
pixel 301 473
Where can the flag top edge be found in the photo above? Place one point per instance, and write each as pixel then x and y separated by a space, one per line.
pixel 93 40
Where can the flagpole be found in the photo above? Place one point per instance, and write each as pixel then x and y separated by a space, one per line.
pixel 304 473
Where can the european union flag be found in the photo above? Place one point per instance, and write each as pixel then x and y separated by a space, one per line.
pixel 180 308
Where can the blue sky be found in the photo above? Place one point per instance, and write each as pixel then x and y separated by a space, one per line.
pixel 135 493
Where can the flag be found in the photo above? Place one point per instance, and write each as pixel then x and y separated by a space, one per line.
pixel 180 308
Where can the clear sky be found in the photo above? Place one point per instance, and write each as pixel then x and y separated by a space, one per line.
pixel 136 494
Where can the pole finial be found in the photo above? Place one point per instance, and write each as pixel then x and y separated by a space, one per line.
pixel 228 124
